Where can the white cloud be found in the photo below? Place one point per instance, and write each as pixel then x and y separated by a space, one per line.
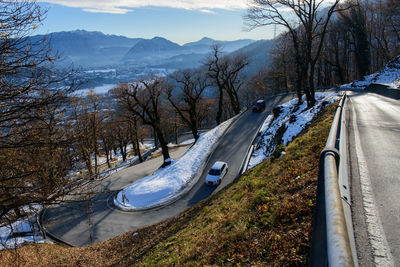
pixel 111 10
pixel 208 11
pixel 125 6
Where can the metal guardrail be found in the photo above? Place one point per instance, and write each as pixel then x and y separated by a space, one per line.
pixel 246 162
pixel 332 238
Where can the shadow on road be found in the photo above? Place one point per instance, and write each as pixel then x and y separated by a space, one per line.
pixel 202 193
pixel 383 90
pixel 76 219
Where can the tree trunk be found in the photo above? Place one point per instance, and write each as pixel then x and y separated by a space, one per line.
pixel 138 150
pixel 155 139
pixel 135 144
pixel 308 97
pixel 176 133
pixel 195 133
pixel 95 147
pixel 299 85
pixel 311 85
pixel 88 164
pixel 123 151
pixel 194 124
pixel 164 148
pixel 107 155
pixel 234 101
pixel 220 106
pixel 339 69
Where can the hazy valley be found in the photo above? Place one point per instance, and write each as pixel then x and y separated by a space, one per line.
pixel 105 60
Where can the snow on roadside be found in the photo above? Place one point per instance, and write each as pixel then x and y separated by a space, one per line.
pixel 166 184
pixel 130 158
pixel 389 76
pixel 188 142
pixel 294 120
pixel 23 228
pixel 22 231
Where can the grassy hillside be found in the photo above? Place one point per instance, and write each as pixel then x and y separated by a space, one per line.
pixel 263 219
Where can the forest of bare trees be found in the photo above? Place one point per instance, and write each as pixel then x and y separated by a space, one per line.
pixel 360 38
pixel 305 24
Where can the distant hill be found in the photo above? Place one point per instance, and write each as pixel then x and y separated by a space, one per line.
pixel 228 46
pixel 152 51
pixel 186 61
pixel 205 41
pixel 87 48
pixel 258 53
pixel 154 45
pixel 91 49
pixel 158 51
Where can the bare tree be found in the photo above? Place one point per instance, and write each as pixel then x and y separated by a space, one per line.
pixel 107 138
pixel 34 154
pixel 282 62
pixel 392 11
pixel 360 40
pixel 338 53
pixel 306 23
pixel 382 23
pixel 225 74
pixel 135 134
pixel 88 120
pixel 353 21
pixel 143 99
pixel 187 100
pixel 121 127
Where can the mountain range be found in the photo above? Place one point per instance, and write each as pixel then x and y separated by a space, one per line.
pixel 160 51
pixel 88 49
pixel 104 60
pixel 94 49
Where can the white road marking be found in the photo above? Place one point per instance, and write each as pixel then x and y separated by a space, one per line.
pixel 376 234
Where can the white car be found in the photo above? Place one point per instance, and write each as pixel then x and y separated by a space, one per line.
pixel 216 173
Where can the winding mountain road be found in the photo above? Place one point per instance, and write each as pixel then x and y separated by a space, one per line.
pixel 84 222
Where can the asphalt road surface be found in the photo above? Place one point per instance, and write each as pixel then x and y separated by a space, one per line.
pixel 374 150
pixel 85 222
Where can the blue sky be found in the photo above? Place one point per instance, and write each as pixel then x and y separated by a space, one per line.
pixel 179 21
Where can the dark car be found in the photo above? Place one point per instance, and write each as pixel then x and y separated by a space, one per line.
pixel 259 106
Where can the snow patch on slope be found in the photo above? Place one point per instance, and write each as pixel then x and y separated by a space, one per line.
pixel 293 119
pixel 389 76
